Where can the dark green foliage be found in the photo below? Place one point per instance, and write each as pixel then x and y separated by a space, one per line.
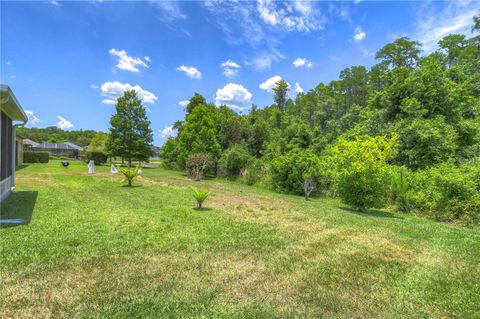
pixel 97 157
pixel 54 134
pixel 331 139
pixel 281 90
pixel 130 134
pixel 401 52
pixel 198 135
pixel 233 161
pixel 169 152
pixel 447 193
pixel 289 171
pixel 35 157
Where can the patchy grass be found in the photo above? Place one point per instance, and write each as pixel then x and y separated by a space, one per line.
pixel 93 248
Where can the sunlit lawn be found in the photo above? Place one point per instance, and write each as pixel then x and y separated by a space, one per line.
pixel 93 248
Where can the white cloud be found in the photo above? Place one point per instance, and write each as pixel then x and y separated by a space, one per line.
pixel 302 62
pixel 170 10
pixel 126 62
pixel 94 86
pixel 13 76
pixel 264 60
pixel 113 90
pixel 433 23
pixel 298 88
pixel 167 132
pixel 230 64
pixel 147 58
pixel 359 35
pixel 270 83
pixel 234 96
pixel 33 120
pixel 55 3
pixel 8 63
pixel 190 71
pixel 230 68
pixel 239 21
pixel 63 123
pixel 299 16
pixel 183 103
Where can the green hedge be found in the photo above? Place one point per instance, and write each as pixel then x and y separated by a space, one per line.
pixel 35 157
pixel 97 157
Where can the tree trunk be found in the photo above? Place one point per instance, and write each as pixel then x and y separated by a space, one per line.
pixel 129 183
pixel 129 162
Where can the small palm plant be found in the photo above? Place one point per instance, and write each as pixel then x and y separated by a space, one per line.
pixel 200 195
pixel 130 174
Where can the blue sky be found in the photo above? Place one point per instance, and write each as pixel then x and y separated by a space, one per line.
pixel 67 61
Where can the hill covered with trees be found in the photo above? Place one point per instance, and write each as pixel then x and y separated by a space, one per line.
pixel 404 132
pixel 54 134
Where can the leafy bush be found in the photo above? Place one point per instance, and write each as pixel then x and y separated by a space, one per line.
pixel 130 174
pixel 198 165
pixel 400 188
pixel 233 161
pixel 97 157
pixel 200 196
pixel 447 193
pixel 35 157
pixel 290 171
pixel 169 153
pixel 363 174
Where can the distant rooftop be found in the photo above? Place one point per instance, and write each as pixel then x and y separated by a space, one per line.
pixel 58 146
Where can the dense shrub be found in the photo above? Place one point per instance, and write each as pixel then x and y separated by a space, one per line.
pixel 447 193
pixel 400 188
pixel 233 161
pixel 198 165
pixel 169 153
pixel 35 157
pixel 97 157
pixel 290 171
pixel 363 174
pixel 255 172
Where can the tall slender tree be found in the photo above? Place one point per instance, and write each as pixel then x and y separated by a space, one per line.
pixel 130 134
pixel 281 90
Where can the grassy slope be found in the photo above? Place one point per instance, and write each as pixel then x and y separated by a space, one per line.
pixel 96 249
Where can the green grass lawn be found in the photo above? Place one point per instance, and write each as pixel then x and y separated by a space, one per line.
pixel 93 248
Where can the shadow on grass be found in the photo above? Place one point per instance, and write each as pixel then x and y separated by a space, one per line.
pixel 133 186
pixel 19 205
pixel 371 212
pixel 203 209
pixel 18 168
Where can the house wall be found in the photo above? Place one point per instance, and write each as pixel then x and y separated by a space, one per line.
pixel 7 156
pixel 19 149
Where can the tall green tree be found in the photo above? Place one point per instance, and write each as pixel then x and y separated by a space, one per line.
pixel 130 134
pixel 401 52
pixel 198 134
pixel 453 45
pixel 281 90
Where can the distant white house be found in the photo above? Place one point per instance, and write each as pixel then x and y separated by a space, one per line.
pixel 12 115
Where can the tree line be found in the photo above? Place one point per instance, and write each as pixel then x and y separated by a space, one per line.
pixel 404 132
